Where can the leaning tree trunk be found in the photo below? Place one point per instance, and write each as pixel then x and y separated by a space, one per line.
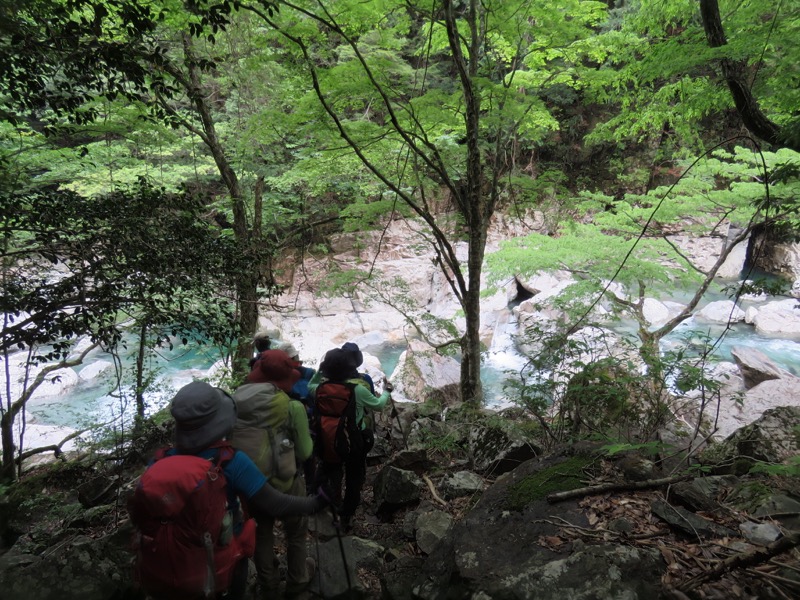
pixel 735 74
pixel 246 282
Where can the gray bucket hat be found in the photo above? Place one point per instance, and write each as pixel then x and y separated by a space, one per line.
pixel 203 415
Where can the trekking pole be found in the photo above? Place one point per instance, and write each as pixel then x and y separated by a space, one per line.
pixel 387 385
pixel 337 526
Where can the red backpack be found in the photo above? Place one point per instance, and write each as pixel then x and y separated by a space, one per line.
pixel 338 433
pixel 184 540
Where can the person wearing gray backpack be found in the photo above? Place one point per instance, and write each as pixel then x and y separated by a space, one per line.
pixel 273 430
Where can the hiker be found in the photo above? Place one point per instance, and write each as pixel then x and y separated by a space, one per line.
pixel 193 539
pixel 300 392
pixel 342 450
pixel 362 378
pixel 300 388
pixel 357 357
pixel 273 430
pixel 263 340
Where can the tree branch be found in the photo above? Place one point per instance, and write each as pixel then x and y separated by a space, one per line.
pixel 614 487
pixel 744 559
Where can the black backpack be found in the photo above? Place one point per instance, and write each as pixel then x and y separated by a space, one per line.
pixel 338 434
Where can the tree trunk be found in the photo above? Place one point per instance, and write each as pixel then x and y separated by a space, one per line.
pixel 247 283
pixel 471 386
pixel 734 73
pixel 140 377
pixel 471 203
pixel 7 433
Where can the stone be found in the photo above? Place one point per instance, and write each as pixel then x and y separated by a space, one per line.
pixel 771 438
pixel 762 534
pixel 779 508
pixel 721 311
pixel 431 527
pixel 331 578
pixel 395 487
pixel 737 412
pixel 687 522
pixel 422 374
pixel 755 366
pixel 516 565
pixel 95 369
pixel 655 312
pixel 496 451
pixel 700 494
pixel 461 483
pixel 779 318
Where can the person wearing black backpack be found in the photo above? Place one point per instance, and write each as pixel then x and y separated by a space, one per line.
pixel 342 441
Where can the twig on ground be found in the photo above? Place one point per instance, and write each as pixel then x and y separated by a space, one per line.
pixel 744 559
pixel 431 487
pixel 614 487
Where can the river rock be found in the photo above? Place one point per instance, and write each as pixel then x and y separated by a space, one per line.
pixel 778 318
pixel 771 438
pixel 782 258
pixel 755 366
pixel 704 251
pixel 54 384
pixel 423 374
pixel 721 311
pixel 93 370
pixel 655 312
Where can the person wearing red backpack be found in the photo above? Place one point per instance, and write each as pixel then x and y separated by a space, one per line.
pixel 193 539
pixel 273 430
pixel 341 401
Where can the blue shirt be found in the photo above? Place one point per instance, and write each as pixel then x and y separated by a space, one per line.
pixel 243 476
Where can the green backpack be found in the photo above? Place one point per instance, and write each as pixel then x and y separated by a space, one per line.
pixel 368 422
pixel 263 431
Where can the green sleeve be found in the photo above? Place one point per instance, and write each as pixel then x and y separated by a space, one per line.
pixel 303 444
pixel 314 383
pixel 366 399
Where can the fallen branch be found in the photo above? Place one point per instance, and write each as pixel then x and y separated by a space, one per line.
pixel 433 490
pixel 743 559
pixel 614 487
pixel 55 448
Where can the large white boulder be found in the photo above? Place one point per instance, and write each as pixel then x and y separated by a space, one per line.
pixel 779 318
pixel 721 311
pixel 422 373
pixel 95 369
pixel 655 312
pixel 55 383
pixel 737 411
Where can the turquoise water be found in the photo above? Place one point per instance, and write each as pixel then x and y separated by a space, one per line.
pixel 99 400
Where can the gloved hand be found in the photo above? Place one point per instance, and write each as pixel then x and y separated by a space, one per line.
pixel 324 498
pixel 387 385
